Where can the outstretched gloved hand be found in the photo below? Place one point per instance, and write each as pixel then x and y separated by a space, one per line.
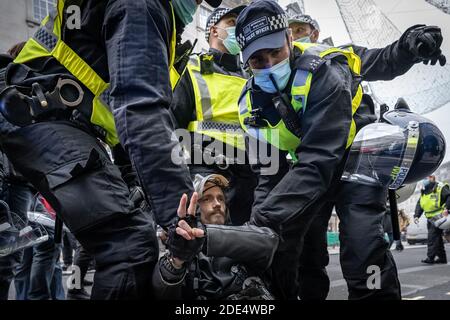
pixel 187 236
pixel 424 43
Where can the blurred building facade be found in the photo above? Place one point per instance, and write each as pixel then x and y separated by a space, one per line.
pixel 19 20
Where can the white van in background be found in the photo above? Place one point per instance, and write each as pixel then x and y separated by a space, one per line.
pixel 417 233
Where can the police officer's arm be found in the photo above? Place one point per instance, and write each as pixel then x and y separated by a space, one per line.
pixel 419 211
pixel 183 103
pixel 266 182
pixel 137 43
pixel 384 63
pixel 325 128
pixel 252 245
pixel 122 161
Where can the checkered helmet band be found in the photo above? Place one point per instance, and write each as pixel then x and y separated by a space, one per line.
pixel 275 23
pixel 306 19
pixel 214 19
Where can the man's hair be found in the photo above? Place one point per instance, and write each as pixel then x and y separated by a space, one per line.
pixel 15 49
pixel 216 183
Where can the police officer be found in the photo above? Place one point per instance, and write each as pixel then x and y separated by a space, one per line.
pixel 376 64
pixel 434 202
pixel 103 74
pixel 205 103
pixel 307 93
pixel 304 28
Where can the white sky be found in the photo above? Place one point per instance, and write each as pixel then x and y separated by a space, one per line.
pixel 403 13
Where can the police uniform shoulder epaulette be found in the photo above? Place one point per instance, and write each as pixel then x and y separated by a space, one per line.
pixel 309 63
pixel 348 46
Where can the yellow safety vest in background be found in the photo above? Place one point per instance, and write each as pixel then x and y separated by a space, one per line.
pixel 430 203
pixel 216 104
pixel 286 140
pixel 47 42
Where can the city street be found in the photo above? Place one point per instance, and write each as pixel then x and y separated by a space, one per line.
pixel 419 281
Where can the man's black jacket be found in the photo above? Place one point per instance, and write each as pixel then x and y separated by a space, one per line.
pixel 229 255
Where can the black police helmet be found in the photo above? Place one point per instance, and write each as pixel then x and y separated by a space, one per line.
pixel 431 145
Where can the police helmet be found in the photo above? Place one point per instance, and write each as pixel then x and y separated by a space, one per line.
pixel 402 148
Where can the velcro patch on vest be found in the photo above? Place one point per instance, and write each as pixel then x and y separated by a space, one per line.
pixel 310 63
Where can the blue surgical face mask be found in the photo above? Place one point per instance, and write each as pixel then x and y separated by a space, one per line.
pixel 185 10
pixel 230 42
pixel 426 182
pixel 281 73
pixel 306 39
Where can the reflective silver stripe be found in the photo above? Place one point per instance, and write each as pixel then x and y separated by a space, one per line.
pixel 243 109
pixel 194 61
pixel 105 98
pixel 218 126
pixel 52 18
pixel 205 96
pixel 408 157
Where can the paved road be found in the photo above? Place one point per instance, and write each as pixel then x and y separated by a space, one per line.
pixel 419 281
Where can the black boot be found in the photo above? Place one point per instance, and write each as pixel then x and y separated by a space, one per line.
pixel 77 294
pixel 440 260
pixel 428 260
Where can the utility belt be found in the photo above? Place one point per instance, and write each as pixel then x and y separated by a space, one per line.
pixel 23 106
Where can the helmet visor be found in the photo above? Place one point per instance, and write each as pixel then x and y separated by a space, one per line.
pixel 380 156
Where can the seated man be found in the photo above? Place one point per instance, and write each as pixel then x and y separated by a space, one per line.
pixel 208 259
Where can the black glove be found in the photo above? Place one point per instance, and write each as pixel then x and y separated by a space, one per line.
pixel 424 43
pixel 181 248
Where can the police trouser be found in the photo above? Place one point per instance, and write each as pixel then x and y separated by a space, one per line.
pixel 435 243
pixel 240 194
pixel 82 260
pixel 74 173
pixel 368 267
pixel 314 283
